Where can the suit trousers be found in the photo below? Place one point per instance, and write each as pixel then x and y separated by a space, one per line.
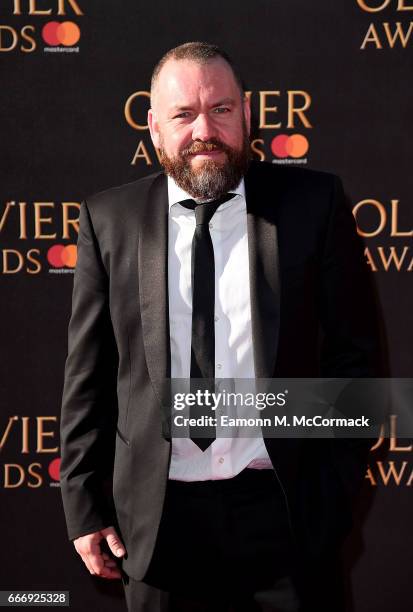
pixel 222 546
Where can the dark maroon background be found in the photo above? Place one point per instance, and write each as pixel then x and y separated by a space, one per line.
pixel 63 136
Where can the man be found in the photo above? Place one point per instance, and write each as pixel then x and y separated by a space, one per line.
pixel 218 267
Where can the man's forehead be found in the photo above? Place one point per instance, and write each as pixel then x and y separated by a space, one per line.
pixel 189 75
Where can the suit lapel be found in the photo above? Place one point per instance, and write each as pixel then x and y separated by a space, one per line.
pixel 153 286
pixel 264 271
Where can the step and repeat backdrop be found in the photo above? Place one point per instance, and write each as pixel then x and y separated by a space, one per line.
pixel 330 87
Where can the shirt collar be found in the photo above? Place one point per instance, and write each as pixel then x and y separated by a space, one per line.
pixel 176 194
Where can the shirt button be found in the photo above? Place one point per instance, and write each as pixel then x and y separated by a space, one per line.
pixel 210 225
pixel 216 318
pixel 219 366
pixel 221 460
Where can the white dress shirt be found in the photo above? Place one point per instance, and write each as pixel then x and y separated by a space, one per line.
pixel 225 457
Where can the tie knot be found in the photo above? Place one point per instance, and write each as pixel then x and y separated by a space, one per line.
pixel 204 211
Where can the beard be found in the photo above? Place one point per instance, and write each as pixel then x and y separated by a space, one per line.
pixel 211 179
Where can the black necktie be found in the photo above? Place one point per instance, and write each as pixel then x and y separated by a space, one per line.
pixel 203 309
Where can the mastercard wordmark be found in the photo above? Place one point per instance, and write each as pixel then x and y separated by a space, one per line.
pixel 66 33
pixel 59 255
pixel 295 145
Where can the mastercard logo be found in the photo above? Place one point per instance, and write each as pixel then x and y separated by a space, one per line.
pixel 66 33
pixel 59 255
pixel 54 469
pixel 295 145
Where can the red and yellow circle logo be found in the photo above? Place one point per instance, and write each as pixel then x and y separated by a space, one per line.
pixel 59 255
pixel 295 145
pixel 54 469
pixel 66 33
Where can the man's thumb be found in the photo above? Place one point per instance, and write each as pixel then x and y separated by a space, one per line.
pixel 113 541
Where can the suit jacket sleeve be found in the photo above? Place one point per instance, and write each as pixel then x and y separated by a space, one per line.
pixel 347 303
pixel 351 346
pixel 89 403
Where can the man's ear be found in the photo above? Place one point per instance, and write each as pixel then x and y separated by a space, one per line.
pixel 247 112
pixel 153 127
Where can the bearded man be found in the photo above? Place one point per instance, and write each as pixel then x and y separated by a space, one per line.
pixel 225 268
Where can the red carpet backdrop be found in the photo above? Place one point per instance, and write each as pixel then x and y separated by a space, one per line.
pixel 330 88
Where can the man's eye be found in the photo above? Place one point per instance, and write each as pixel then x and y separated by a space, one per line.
pixel 221 109
pixel 182 115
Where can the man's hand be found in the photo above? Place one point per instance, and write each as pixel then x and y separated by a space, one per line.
pixel 96 561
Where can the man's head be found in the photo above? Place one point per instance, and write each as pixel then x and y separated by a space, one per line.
pixel 200 119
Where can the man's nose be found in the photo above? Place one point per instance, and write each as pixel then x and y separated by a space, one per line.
pixel 203 128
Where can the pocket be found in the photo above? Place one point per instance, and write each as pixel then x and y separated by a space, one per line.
pixel 122 436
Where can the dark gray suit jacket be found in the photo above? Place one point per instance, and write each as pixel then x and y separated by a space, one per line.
pixel 312 314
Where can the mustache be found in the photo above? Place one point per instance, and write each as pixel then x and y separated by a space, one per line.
pixel 204 146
